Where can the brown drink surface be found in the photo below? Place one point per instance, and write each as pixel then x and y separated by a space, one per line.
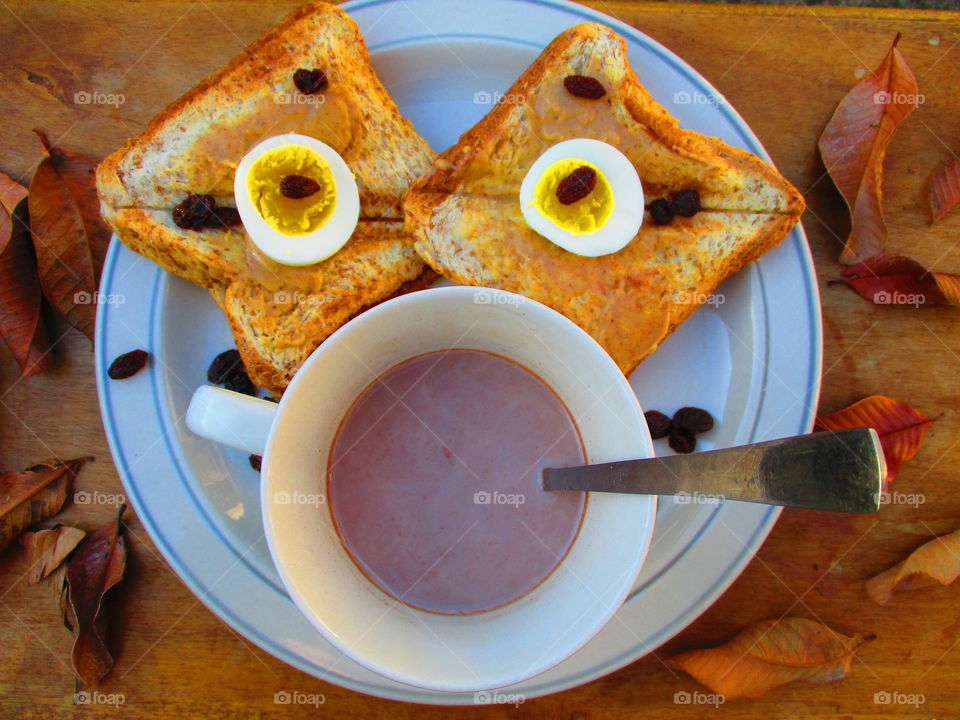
pixel 434 481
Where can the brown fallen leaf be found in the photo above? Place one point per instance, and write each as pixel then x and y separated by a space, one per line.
pixel 47 549
pixel 95 567
pixel 79 174
pixel 854 144
pixel 63 233
pixel 937 561
pixel 34 495
pixel 58 584
pixel 771 653
pixel 21 300
pixel 943 192
pixel 893 279
pixel 901 427
pixel 11 193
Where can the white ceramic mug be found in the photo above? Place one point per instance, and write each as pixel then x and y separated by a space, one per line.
pixel 479 651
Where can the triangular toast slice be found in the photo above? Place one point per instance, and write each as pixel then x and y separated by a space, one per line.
pixel 278 314
pixel 465 211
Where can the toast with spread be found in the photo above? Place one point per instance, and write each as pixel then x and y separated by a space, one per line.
pixel 186 159
pixel 467 218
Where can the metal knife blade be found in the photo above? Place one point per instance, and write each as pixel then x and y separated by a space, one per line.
pixel 841 471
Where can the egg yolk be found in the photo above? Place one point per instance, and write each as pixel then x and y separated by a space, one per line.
pixel 288 215
pixel 584 216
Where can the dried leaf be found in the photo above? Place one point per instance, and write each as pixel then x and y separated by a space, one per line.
pixel 21 300
pixel 771 653
pixel 34 495
pixel 854 144
pixel 937 561
pixel 901 427
pixel 63 229
pixel 47 549
pixel 892 279
pixel 11 193
pixel 58 584
pixel 79 174
pixel 943 192
pixel 95 567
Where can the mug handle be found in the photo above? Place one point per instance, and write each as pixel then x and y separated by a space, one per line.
pixel 231 418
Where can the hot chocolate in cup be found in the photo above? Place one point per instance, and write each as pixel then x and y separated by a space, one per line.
pixel 478 648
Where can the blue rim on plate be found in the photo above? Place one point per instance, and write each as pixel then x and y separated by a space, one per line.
pixel 702 550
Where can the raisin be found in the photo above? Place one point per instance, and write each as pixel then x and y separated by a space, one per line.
pixel 256 461
pixel 693 419
pixel 241 383
pixel 660 425
pixel 227 369
pixel 682 440
pixel 310 82
pixel 224 365
pixel 194 212
pixel 685 203
pixel 577 185
pixel 296 187
pixel 225 216
pixel 582 86
pixel 127 364
pixel 661 212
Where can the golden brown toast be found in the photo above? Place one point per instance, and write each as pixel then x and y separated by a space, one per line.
pixel 465 211
pixel 278 314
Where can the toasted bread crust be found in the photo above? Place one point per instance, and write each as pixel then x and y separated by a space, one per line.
pixel 466 216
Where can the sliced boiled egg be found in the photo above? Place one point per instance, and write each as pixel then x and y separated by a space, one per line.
pixel 297 199
pixel 585 196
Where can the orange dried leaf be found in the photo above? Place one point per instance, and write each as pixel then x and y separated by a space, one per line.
pixel 892 279
pixel 772 653
pixel 901 427
pixel 46 549
pixel 21 300
pixel 95 567
pixel 937 561
pixel 944 190
pixel 854 144
pixel 34 495
pixel 63 231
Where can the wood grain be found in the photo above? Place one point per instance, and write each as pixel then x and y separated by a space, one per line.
pixel 784 69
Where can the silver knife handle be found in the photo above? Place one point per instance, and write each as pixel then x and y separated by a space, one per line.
pixel 840 471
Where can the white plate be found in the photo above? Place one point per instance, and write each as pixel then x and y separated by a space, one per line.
pixel 753 361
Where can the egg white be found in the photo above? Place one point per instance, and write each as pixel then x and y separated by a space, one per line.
pixel 627 215
pixel 308 248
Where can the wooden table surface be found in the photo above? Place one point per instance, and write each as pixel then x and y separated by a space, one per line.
pixel 784 69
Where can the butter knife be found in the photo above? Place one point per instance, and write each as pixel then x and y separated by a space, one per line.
pixel 840 471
